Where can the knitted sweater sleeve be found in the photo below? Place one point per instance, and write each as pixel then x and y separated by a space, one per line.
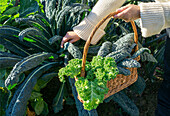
pixel 154 17
pixel 99 11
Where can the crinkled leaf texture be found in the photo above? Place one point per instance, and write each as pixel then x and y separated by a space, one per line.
pixel 91 92
pixel 130 63
pixel 18 102
pixel 72 69
pixel 79 105
pixel 26 64
pixel 73 50
pixel 140 51
pixel 28 6
pixel 92 88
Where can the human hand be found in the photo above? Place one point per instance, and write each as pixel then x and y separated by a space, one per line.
pixel 70 36
pixel 128 13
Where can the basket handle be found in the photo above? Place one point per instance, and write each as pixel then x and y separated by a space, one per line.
pixel 86 47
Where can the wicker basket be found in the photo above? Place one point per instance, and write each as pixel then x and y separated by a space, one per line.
pixel 121 81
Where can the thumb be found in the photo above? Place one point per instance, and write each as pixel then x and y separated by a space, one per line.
pixel 65 39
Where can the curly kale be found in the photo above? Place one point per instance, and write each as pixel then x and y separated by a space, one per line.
pixel 92 88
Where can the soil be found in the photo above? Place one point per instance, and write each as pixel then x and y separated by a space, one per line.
pixel 147 102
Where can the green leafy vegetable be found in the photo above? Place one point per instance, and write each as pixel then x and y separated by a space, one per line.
pixel 35 95
pixel 105 49
pixel 12 11
pixel 6 62
pixel 39 106
pixel 28 6
pixel 18 102
pixel 6 54
pixel 145 56
pixel 28 39
pixel 119 55
pixel 3 5
pixel 92 88
pixel 58 100
pixel 73 50
pixel 50 8
pixel 54 39
pixel 123 71
pixel 139 85
pixel 2 79
pixel 140 51
pixel 130 63
pixel 26 64
pixel 11 86
pixel 125 102
pixel 4 98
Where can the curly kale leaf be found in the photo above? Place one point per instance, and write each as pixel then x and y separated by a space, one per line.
pixel 110 68
pixel 72 69
pixel 105 68
pixel 92 88
pixel 91 92
pixel 97 62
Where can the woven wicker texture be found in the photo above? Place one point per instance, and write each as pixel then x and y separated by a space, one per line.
pixel 121 81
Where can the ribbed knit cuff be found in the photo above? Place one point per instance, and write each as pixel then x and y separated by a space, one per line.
pixel 152 18
pixel 83 30
pixel 166 7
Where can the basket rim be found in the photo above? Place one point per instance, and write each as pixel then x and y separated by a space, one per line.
pixel 94 31
pixel 88 44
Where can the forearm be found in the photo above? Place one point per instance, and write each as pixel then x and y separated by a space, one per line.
pixel 154 17
pixel 99 11
pixel 102 9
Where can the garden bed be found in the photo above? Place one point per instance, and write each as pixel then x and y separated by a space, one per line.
pixel 146 102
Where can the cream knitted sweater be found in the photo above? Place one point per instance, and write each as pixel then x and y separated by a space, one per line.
pixel 155 17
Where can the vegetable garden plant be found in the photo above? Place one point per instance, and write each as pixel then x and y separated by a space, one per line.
pixel 30 57
pixel 92 88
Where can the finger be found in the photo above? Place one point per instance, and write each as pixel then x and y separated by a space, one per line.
pixel 64 40
pixel 122 8
pixel 119 15
pixel 73 40
pixel 124 15
pixel 62 43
